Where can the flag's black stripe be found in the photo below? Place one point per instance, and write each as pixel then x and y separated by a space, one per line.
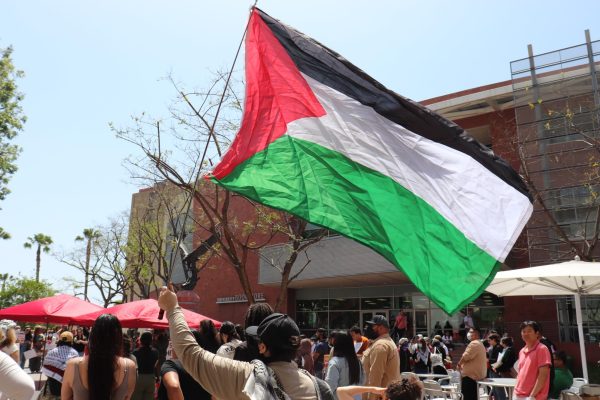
pixel 330 68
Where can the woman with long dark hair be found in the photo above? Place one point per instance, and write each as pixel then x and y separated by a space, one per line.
pixel 344 368
pixel 102 374
pixel 209 336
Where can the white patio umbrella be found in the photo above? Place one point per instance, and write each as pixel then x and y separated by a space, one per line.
pixel 567 278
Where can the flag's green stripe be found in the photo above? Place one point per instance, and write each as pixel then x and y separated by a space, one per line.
pixel 328 189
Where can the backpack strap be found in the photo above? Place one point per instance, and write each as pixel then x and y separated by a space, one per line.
pixel 321 387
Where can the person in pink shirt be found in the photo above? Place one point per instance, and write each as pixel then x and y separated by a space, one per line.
pixel 534 365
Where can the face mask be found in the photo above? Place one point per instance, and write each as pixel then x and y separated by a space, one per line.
pixel 370 333
pixel 469 336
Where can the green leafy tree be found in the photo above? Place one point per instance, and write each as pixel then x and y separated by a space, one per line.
pixel 11 122
pixel 42 243
pixel 4 278
pixel 21 290
pixel 89 236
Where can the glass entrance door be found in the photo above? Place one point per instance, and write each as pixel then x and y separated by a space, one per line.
pixel 421 322
pixel 368 316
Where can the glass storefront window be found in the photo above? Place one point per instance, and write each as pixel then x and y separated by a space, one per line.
pixel 376 303
pixel 487 300
pixel 403 302
pixel 343 307
pixel 312 305
pixel 344 304
pixel 590 312
pixel 440 321
pixel 312 320
pixel 421 301
pixel 344 320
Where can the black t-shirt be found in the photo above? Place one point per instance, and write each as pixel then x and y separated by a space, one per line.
pixel 190 388
pixel 146 359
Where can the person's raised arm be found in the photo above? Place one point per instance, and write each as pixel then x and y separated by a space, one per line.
pixel 222 377
pixel 348 392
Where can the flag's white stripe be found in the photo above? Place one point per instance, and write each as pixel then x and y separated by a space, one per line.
pixel 487 210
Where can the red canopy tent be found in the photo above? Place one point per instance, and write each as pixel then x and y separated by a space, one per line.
pixel 58 309
pixel 140 314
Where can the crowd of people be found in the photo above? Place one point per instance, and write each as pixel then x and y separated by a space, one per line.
pixel 269 358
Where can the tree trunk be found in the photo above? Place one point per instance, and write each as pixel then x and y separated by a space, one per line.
pixel 88 251
pixel 283 288
pixel 243 277
pixel 38 261
pixel 285 277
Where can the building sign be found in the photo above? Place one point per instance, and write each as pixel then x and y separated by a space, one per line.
pixel 240 298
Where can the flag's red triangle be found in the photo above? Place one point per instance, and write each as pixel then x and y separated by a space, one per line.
pixel 276 94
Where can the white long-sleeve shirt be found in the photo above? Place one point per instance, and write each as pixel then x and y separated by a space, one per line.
pixel 14 382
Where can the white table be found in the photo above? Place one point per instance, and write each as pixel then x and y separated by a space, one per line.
pixel 505 383
pixel 433 376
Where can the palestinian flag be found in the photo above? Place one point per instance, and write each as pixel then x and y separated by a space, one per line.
pixel 324 141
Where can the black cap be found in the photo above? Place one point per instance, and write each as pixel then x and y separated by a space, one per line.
pixel 275 331
pixel 379 320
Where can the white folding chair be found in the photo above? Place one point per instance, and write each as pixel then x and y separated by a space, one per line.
pixel 409 375
pixel 577 384
pixel 434 391
pixel 568 395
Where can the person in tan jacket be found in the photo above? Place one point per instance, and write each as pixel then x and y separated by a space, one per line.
pixel 227 379
pixel 381 361
pixel 472 365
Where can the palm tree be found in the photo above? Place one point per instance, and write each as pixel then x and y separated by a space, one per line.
pixel 43 243
pixel 89 234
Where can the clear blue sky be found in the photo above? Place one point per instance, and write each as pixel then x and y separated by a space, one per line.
pixel 88 63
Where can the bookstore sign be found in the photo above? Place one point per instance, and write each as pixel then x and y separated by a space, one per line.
pixel 240 298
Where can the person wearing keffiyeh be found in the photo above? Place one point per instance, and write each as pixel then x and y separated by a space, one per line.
pixel 55 362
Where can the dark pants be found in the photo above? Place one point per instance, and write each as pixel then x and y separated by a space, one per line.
pixel 397 334
pixel 54 386
pixel 469 388
pixel 35 364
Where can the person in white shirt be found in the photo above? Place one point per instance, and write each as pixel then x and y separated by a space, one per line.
pixel 468 321
pixel 229 338
pixel 55 362
pixel 15 383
